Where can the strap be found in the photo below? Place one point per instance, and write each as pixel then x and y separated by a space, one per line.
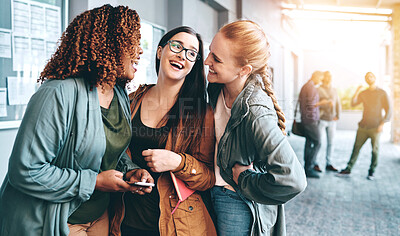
pixel 137 97
pixel 295 109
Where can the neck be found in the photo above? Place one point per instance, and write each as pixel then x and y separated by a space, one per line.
pixel 165 91
pixel 105 89
pixel 372 86
pixel 105 94
pixel 232 90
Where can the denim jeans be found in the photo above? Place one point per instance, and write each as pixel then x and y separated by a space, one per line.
pixel 362 135
pixel 329 128
pixel 233 215
pixel 312 145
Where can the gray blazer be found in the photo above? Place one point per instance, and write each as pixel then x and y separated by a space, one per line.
pixel 252 135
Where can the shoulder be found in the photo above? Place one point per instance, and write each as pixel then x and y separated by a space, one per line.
pixel 382 91
pixel 308 87
pixel 64 89
pixel 260 104
pixel 139 91
pixel 364 93
pixel 66 85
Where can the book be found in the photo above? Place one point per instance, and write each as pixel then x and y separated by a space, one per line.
pixel 182 190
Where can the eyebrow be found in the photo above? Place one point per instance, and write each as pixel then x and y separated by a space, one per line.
pixel 191 47
pixel 215 56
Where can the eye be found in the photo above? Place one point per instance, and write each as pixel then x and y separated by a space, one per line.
pixel 192 53
pixel 177 45
pixel 216 59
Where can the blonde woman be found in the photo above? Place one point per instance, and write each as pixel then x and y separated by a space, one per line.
pixel 256 169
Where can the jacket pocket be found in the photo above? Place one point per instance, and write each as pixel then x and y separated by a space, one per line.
pixel 189 217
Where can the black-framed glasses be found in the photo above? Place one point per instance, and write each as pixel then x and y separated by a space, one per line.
pixel 176 47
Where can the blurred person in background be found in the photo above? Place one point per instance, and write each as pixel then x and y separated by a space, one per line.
pixel 309 109
pixel 374 100
pixel 328 115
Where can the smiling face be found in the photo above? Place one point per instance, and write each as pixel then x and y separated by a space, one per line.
pixel 175 65
pixel 221 61
pixel 370 78
pixel 326 81
pixel 130 66
pixel 316 77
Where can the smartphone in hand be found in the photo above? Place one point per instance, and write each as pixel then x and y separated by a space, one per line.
pixel 142 184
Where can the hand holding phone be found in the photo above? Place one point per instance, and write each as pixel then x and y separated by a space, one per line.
pixel 143 184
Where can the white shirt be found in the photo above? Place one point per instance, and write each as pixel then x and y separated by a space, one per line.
pixel 221 117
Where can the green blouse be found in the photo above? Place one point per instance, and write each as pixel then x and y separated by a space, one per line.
pixel 118 135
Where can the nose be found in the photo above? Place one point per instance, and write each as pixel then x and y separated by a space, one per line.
pixel 207 61
pixel 140 50
pixel 182 54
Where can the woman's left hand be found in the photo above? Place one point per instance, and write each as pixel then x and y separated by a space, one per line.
pixel 237 169
pixel 160 160
pixel 139 175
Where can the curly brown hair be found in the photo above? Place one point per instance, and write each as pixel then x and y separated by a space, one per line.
pixel 93 45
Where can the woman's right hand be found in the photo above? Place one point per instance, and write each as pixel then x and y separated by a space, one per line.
pixel 111 181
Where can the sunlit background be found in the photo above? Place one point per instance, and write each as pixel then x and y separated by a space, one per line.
pixel 348 38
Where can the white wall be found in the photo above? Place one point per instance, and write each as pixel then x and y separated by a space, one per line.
pixel 7 138
pixel 207 24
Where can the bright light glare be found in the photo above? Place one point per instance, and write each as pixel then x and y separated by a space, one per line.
pixel 347 44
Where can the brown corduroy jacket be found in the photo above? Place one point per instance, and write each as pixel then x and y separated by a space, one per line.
pixel 196 170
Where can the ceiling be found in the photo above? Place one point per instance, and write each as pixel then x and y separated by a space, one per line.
pixel 346 3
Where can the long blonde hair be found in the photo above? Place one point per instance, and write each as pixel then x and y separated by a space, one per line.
pixel 255 52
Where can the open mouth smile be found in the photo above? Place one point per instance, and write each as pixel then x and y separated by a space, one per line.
pixel 176 65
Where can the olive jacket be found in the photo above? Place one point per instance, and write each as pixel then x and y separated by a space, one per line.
pixel 196 170
pixel 253 136
pixel 56 158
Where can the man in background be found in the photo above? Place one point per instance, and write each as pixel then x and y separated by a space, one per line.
pixel 328 115
pixel 374 100
pixel 309 103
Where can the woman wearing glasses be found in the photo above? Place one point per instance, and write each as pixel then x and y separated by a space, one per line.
pixel 256 170
pixel 173 130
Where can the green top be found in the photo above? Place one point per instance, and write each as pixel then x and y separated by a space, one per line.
pixel 118 134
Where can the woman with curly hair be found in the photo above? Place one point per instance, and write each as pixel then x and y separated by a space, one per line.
pixel 69 153
pixel 173 131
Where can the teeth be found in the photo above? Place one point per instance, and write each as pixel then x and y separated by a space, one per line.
pixel 177 64
pixel 211 70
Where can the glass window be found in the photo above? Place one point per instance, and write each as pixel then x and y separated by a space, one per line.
pixel 146 73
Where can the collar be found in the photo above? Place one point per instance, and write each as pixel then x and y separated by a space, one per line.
pixel 241 106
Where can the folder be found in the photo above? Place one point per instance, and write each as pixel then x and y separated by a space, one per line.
pixel 182 190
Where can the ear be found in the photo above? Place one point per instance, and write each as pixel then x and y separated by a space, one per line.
pixel 246 70
pixel 159 49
